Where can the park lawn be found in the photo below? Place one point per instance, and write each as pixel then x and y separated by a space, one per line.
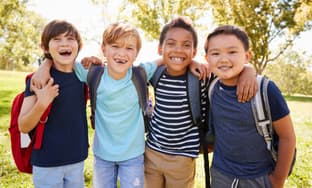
pixel 13 82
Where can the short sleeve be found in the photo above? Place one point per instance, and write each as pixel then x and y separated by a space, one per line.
pixel 150 68
pixel 278 105
pixel 81 72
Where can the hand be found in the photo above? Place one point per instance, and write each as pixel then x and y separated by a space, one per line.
pixel 42 75
pixel 88 61
pixel 247 86
pixel 46 95
pixel 200 70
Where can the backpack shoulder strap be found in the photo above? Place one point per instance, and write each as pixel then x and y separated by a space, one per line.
pixel 194 93
pixel 159 71
pixel 262 114
pixel 139 80
pixel 211 86
pixel 93 79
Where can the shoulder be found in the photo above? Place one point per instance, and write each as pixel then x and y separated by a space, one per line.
pixel 278 104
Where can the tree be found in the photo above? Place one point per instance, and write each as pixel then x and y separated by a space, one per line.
pixel 266 22
pixel 19 35
pixel 291 73
pixel 151 15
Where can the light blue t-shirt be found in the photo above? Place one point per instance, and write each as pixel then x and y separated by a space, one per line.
pixel 119 123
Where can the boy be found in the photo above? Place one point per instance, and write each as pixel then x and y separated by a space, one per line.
pixel 240 156
pixel 119 126
pixel 60 161
pixel 173 139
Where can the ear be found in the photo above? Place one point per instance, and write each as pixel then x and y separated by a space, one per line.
pixel 43 48
pixel 247 56
pixel 194 52
pixel 159 49
pixel 206 57
pixel 103 49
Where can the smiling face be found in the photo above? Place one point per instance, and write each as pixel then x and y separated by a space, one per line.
pixel 63 49
pixel 177 50
pixel 120 55
pixel 226 56
pixel 61 42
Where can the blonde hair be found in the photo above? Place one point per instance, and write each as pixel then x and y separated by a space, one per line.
pixel 117 31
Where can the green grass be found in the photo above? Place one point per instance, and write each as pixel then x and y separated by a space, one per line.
pixel 13 82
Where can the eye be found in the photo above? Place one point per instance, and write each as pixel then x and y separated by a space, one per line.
pixel 71 38
pixel 188 44
pixel 214 53
pixel 232 51
pixel 56 38
pixel 114 46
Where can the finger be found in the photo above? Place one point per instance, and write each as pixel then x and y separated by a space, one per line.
pixel 35 90
pixel 50 82
pixel 197 73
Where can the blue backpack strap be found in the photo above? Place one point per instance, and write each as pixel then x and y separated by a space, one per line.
pixel 93 79
pixel 194 88
pixel 159 71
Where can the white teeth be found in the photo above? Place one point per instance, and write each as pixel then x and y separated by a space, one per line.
pixel 224 67
pixel 178 59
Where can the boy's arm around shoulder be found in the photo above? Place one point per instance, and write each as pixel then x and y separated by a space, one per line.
pixel 247 85
pixel 41 77
pixel 34 106
pixel 287 142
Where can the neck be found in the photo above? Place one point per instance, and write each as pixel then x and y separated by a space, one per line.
pixel 229 82
pixel 175 73
pixel 64 68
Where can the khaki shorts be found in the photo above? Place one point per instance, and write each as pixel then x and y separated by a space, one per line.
pixel 168 171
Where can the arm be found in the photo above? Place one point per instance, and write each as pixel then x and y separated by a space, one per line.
pixel 42 75
pixel 34 106
pixel 247 85
pixel 201 70
pixel 287 141
pixel 88 61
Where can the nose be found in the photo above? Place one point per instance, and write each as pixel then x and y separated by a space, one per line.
pixel 64 42
pixel 178 48
pixel 223 58
pixel 122 51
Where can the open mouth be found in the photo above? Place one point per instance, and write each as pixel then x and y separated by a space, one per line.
pixel 119 61
pixel 224 67
pixel 177 59
pixel 65 53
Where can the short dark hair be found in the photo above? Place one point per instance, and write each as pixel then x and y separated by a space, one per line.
pixel 229 30
pixel 179 22
pixel 55 28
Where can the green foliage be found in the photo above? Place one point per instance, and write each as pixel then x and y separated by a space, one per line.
pixel 265 22
pixel 13 82
pixel 19 35
pixel 291 73
pixel 151 15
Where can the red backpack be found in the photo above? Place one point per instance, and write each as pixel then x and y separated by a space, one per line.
pixel 21 155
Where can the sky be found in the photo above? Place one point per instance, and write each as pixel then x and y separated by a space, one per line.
pixel 89 21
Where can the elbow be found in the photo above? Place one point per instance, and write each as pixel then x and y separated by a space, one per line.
pixel 21 127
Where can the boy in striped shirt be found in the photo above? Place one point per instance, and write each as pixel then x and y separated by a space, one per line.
pixel 173 139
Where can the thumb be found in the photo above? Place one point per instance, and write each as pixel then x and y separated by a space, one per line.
pixel 50 82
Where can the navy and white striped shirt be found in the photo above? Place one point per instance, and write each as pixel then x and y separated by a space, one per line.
pixel 172 130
